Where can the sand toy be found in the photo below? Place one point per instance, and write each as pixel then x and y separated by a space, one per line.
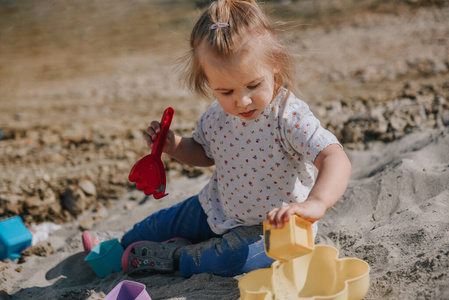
pixel 315 272
pixel 294 239
pixel 14 238
pixel 128 290
pixel 149 171
pixel 105 258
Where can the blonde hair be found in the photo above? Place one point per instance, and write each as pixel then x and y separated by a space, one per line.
pixel 243 18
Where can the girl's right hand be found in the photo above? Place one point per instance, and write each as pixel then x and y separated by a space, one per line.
pixel 311 210
pixel 151 135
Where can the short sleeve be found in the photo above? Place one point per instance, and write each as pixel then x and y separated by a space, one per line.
pixel 202 134
pixel 302 131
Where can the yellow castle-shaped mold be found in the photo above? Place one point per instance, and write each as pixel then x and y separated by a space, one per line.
pixel 314 272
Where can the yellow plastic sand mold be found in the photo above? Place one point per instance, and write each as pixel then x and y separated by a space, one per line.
pixel 303 270
pixel 317 275
pixel 294 239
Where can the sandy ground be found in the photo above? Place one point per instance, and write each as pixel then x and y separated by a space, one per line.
pixel 393 216
pixel 79 83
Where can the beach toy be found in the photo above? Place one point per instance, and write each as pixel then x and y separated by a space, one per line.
pixel 318 275
pixel 303 270
pixel 294 239
pixel 128 290
pixel 149 171
pixel 106 257
pixel 14 238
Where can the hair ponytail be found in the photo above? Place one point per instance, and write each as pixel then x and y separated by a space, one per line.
pixel 222 26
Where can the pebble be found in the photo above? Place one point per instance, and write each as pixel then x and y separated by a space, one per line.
pixel 88 187
pixel 74 200
pixel 86 224
pixel 43 250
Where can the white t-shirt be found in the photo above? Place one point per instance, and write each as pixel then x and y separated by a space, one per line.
pixel 260 164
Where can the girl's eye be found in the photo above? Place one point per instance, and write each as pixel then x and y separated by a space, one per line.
pixel 252 87
pixel 227 93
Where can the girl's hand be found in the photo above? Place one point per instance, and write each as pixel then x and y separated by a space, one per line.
pixel 152 132
pixel 333 177
pixel 311 210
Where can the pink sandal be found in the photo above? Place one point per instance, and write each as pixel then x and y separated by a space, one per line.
pixel 92 238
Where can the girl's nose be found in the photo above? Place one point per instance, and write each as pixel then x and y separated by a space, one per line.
pixel 243 101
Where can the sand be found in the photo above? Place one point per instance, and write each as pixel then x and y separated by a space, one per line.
pixel 393 216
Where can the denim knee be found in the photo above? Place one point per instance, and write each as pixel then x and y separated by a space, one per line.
pixel 237 252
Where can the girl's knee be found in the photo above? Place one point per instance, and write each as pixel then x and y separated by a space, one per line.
pixel 238 251
pixel 197 259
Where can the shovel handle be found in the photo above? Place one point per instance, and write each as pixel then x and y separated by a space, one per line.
pixel 159 143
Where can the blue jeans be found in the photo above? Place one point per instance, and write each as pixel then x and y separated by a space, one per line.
pixel 238 251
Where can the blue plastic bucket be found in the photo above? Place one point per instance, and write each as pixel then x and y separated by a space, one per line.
pixel 14 238
pixel 105 258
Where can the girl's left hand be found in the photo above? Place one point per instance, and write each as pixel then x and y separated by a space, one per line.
pixel 309 210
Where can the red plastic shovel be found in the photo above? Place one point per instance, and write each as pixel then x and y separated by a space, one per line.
pixel 149 171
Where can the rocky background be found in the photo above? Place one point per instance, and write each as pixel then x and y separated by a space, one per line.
pixel 79 83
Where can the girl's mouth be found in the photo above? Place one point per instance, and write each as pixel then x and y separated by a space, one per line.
pixel 248 114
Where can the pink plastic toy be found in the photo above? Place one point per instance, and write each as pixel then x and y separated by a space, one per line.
pixel 149 171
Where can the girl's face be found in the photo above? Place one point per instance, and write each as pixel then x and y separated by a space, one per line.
pixel 244 83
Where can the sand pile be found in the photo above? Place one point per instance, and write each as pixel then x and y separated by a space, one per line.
pixel 393 215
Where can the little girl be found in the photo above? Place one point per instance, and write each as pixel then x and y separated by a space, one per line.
pixel 265 145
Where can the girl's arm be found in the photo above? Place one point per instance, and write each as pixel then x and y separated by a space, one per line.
pixel 334 170
pixel 183 149
pixel 188 151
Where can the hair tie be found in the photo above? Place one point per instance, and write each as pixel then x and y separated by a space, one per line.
pixel 219 25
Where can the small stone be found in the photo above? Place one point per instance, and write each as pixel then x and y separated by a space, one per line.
pixel 86 224
pixel 398 123
pixel 3 266
pixel 43 250
pixel 74 200
pixel 88 187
